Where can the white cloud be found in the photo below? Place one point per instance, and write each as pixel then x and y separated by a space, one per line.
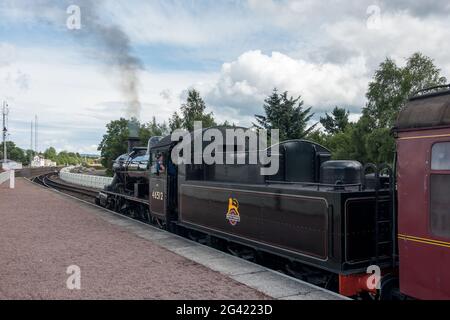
pixel 187 23
pixel 7 54
pixel 399 35
pixel 244 83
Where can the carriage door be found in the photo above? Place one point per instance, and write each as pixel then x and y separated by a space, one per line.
pixel 439 217
pixel 158 183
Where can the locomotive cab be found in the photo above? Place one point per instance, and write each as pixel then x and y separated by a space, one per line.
pixel 162 184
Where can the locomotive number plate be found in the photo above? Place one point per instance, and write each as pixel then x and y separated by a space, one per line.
pixel 158 195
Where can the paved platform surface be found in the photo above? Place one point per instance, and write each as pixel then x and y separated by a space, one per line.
pixel 42 233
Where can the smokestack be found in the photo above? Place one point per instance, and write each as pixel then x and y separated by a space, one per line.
pixel 133 134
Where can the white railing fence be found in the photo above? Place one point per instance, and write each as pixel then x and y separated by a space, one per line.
pixel 8 175
pixel 85 180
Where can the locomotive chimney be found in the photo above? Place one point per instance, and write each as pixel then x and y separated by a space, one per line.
pixel 133 135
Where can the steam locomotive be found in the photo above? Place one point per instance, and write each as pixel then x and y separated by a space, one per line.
pixel 328 222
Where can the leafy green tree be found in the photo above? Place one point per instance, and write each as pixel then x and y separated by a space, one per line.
pixel 336 122
pixel 341 145
pixel 175 122
pixel 357 141
pixel 29 155
pixel 228 124
pixel 287 115
pixel 392 85
pixel 13 152
pixel 50 154
pixel 193 110
pixel 380 146
pixel 370 139
pixel 114 142
pixel 68 158
pixel 152 129
pixel 318 136
pixel 63 159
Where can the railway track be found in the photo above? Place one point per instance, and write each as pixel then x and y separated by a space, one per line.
pixel 51 181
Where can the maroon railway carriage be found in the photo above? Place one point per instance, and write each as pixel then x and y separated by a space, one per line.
pixel 423 180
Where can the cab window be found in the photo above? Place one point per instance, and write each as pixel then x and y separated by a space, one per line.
pixel 139 159
pixel 158 161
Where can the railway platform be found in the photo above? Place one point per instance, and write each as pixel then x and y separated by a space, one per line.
pixel 53 246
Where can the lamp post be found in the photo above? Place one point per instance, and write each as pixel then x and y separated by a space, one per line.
pixel 5 113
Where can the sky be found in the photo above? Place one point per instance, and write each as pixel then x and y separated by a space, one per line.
pixel 139 58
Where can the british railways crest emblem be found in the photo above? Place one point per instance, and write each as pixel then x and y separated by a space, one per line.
pixel 233 212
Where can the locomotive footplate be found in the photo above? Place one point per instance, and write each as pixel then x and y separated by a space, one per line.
pixel 109 193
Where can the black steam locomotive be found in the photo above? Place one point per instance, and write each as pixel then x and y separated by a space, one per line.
pixel 327 220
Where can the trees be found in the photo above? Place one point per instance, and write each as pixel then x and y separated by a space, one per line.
pixel 392 85
pixel 370 138
pixel 287 115
pixel 24 156
pixel 114 142
pixel 67 158
pixel 175 122
pixel 152 129
pixel 29 155
pixel 193 110
pixel 336 122
pixel 50 154
pixel 388 92
pixel 13 152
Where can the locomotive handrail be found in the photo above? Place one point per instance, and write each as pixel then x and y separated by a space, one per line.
pixel 378 170
pixel 316 184
pixel 375 170
pixel 429 91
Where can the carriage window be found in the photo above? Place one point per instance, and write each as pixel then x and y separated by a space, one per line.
pixel 440 156
pixel 439 190
pixel 440 205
